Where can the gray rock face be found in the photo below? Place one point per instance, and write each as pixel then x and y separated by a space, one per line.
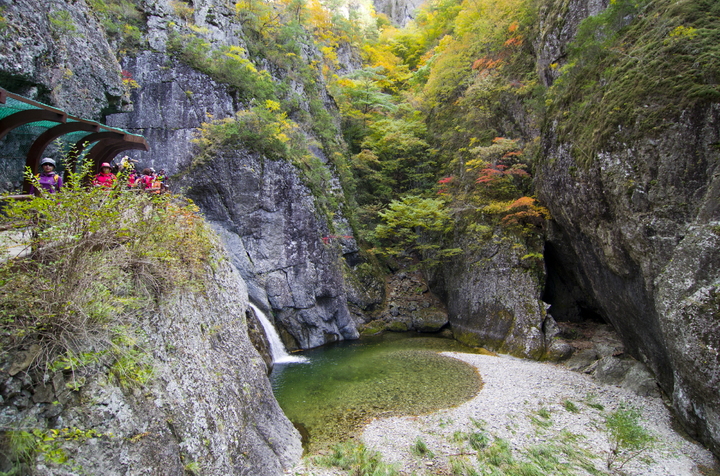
pixel 558 23
pixel 173 100
pixel 400 12
pixel 627 373
pixel 688 299
pixel 209 405
pixel 411 305
pixel 640 229
pixel 581 360
pixel 40 57
pixel 365 287
pixel 636 239
pixel 263 212
pixel 276 238
pixel 493 298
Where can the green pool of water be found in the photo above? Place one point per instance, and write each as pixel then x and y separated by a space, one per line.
pixel 346 384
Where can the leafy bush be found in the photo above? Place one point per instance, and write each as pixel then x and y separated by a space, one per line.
pixel 27 445
pixel 61 24
pixel 123 22
pixel 628 438
pixel 263 129
pixel 95 260
pixel 415 227
pixel 183 10
pixel 229 64
pixel 268 131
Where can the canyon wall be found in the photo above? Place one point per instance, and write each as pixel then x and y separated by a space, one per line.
pixel 638 233
pixel 635 233
pixel 633 240
pixel 279 242
pixel 208 405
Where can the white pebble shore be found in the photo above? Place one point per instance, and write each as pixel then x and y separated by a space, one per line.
pixel 513 392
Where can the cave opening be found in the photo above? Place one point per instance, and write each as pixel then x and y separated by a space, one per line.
pixel 564 290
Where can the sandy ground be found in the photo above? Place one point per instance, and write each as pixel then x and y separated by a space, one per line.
pixel 514 404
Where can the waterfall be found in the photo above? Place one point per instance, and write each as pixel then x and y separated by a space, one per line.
pixel 277 348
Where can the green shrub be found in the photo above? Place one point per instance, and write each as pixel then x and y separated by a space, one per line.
pixel 25 446
pixel 416 226
pixel 123 22
pixel 183 10
pixel 267 130
pixel 61 24
pixel 628 438
pixel 96 260
pixel 263 129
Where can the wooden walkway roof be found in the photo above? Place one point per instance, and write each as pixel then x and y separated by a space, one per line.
pixel 97 142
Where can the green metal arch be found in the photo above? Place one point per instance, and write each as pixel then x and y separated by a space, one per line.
pixel 40 144
pixel 21 118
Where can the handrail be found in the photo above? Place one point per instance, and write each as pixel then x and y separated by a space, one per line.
pixel 24 196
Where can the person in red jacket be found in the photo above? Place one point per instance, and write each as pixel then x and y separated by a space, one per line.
pixel 105 178
pixel 133 179
pixel 149 181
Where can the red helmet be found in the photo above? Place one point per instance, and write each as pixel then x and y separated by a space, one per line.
pixel 105 164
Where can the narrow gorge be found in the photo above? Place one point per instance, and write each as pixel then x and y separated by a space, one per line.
pixel 505 173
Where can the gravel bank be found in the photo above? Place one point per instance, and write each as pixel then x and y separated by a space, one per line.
pixel 514 404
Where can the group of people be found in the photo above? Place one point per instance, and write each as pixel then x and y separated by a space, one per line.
pixel 147 180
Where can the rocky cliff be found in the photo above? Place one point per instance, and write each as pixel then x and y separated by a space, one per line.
pixel 635 228
pixel 279 242
pixel 494 291
pixel 638 233
pixel 290 255
pixel 635 236
pixel 207 409
pixel 169 104
pixel 170 100
pixel 400 12
pixel 40 58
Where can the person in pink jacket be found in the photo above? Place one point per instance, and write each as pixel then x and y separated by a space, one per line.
pixel 105 178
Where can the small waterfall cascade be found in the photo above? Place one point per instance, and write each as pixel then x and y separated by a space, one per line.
pixel 277 348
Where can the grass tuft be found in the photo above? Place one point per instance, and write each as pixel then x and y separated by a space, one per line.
pixel 570 406
pixel 420 448
pixel 357 459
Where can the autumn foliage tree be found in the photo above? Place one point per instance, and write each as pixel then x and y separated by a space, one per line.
pixel 452 76
pixel 416 228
